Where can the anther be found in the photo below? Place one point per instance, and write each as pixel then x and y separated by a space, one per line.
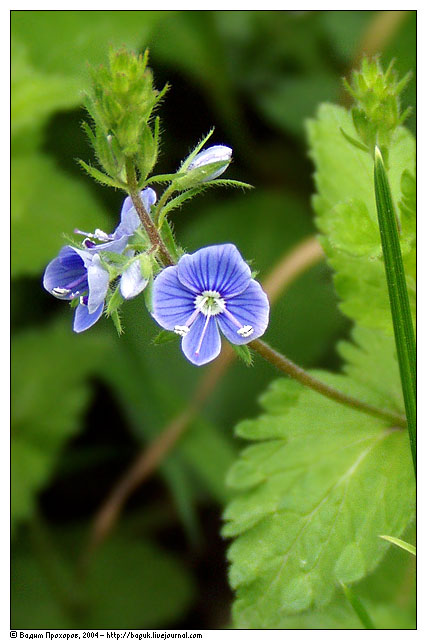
pixel 181 330
pixel 245 331
pixel 60 292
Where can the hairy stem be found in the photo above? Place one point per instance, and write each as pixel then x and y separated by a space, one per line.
pixel 146 221
pixel 294 371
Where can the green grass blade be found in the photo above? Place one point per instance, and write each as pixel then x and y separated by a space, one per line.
pixel 401 543
pixel 398 295
pixel 358 607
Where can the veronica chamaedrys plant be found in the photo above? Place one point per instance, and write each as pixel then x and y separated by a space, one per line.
pixel 207 291
pixel 79 273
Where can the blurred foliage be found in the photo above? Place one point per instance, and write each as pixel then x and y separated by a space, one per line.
pixel 83 406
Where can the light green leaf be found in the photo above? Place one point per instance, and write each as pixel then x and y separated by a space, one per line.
pixel 346 214
pixel 316 491
pixel 46 202
pixel 43 416
pixel 34 94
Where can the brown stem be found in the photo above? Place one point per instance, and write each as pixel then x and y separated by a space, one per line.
pixel 146 221
pixel 294 371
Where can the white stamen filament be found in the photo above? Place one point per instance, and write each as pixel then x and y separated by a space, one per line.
pixel 199 346
pixel 183 329
pixel 244 330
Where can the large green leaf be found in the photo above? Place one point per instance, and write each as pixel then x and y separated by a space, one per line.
pixel 346 214
pixel 35 94
pixel 320 486
pixel 50 367
pixel 46 203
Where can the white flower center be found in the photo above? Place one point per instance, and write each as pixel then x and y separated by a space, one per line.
pixel 210 303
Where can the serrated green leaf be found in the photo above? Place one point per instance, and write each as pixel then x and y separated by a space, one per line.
pixel 315 494
pixel 346 214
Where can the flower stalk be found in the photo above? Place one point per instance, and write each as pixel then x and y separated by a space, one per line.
pixel 146 221
pixel 294 371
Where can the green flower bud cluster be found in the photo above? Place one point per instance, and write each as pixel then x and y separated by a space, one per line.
pixel 121 103
pixel 377 112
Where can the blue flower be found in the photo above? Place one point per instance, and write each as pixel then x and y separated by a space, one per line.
pixel 209 290
pixel 78 273
pixel 217 153
pixel 129 223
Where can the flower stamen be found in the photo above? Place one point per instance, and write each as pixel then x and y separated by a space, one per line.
pixel 199 346
pixel 243 330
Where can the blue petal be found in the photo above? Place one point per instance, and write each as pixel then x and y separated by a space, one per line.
pixel 172 303
pixel 98 279
pixel 132 281
pixel 250 308
pixel 67 267
pixel 218 268
pixel 129 219
pixel 211 344
pixel 83 319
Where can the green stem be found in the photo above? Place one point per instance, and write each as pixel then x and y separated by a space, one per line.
pixel 398 294
pixel 358 607
pixel 291 369
pixel 147 223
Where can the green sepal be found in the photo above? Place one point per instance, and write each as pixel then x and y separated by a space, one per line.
pixel 114 301
pixel 196 150
pixel 353 141
pixel 101 177
pixel 115 317
pixel 177 202
pixel 244 353
pixel 199 175
pixel 169 240
pixel 164 337
pixel 148 296
pixel 146 156
pixel 225 182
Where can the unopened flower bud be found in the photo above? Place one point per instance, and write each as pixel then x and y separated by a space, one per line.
pixel 212 155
